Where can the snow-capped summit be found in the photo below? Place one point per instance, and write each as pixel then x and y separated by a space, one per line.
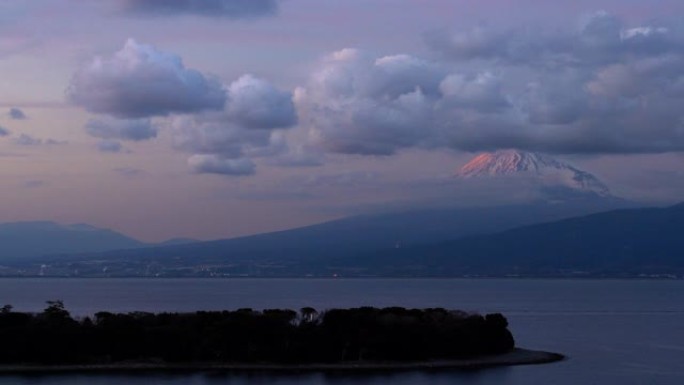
pixel 547 170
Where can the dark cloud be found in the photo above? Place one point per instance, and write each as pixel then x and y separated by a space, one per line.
pixel 211 8
pixel 112 146
pixel 604 88
pixel 141 81
pixel 4 131
pixel 122 129
pixel 16 114
pixel 602 38
pixel 217 164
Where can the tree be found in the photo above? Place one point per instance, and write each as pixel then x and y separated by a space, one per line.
pixel 56 310
pixel 309 314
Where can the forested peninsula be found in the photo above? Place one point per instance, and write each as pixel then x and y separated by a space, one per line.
pixel 365 337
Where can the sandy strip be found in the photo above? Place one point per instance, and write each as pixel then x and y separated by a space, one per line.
pixel 515 357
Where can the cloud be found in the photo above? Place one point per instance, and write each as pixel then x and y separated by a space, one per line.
pixel 27 140
pixel 32 184
pixel 299 156
pixel 255 103
pixel 111 146
pixel 225 142
pixel 16 114
pixel 605 87
pixel 356 105
pixel 129 172
pixel 140 81
pixel 123 129
pixel 217 164
pixel 600 39
pixel 216 134
pixel 233 9
pixel 55 142
pixel 479 91
pixel 4 131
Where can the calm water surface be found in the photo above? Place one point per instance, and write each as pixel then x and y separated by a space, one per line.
pixel 614 331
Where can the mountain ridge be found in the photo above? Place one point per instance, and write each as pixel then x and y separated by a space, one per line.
pixel 29 239
pixel 275 253
pixel 623 242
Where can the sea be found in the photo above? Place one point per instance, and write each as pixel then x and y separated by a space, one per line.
pixel 626 332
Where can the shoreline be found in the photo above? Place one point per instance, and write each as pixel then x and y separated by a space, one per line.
pixel 516 357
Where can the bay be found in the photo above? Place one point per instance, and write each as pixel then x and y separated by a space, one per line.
pixel 613 331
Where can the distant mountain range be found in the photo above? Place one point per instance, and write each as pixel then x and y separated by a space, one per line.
pixel 472 242
pixel 578 230
pixel 27 240
pixel 33 239
pixel 308 250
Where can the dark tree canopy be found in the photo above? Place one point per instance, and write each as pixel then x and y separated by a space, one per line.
pixel 250 336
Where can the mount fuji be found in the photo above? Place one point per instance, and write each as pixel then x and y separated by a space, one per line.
pixel 552 176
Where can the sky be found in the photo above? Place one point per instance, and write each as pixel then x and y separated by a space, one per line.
pixel 219 118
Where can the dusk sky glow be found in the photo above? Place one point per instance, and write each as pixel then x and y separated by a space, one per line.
pixel 218 118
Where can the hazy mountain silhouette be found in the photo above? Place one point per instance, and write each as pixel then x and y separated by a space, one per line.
pixel 308 248
pixel 32 239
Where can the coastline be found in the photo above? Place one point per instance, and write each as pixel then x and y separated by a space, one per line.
pixel 516 357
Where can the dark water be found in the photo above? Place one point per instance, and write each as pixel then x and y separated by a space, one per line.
pixel 614 332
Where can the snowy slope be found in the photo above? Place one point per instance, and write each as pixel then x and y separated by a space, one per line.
pixel 548 171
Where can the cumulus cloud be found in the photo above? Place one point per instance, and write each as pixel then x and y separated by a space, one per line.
pixel 355 104
pixel 480 91
pixel 215 134
pixel 141 81
pixel 358 105
pixel 16 114
pixel 122 129
pixel 225 142
pixel 255 103
pixel 212 8
pixel 605 87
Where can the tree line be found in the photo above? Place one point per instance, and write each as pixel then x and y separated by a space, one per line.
pixel 282 336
